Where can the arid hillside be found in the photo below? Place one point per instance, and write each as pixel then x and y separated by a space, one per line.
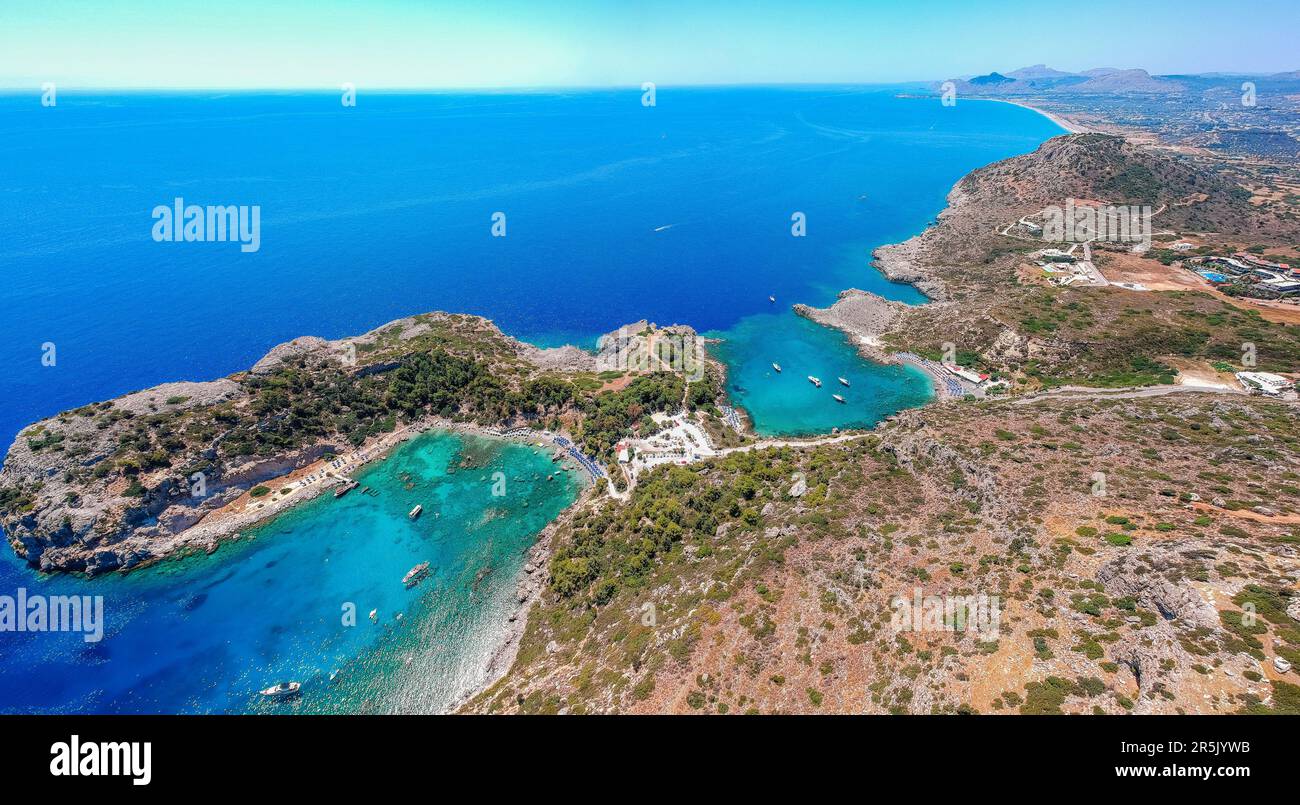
pixel 1003 317
pixel 1126 540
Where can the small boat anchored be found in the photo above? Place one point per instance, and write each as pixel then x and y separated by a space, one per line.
pixel 814 381
pixel 771 299
pixel 415 575
pixel 416 511
pixel 838 398
pixel 843 382
pixel 284 690
pixel 776 366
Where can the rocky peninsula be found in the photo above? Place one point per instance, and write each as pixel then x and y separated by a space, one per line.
pixel 178 467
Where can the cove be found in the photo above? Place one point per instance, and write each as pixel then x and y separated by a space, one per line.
pixel 202 634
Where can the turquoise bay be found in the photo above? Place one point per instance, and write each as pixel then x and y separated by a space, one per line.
pixel 203 634
pixel 786 403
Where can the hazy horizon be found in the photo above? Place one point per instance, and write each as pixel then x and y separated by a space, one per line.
pixel 575 44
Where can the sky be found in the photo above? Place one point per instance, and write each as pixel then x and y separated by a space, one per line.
pixel 554 43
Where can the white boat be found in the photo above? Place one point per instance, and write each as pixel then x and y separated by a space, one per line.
pixel 416 574
pixel 416 511
pixel 771 299
pixel 843 382
pixel 838 398
pixel 374 615
pixel 284 690
pixel 1281 665
pixel 776 366
pixel 814 381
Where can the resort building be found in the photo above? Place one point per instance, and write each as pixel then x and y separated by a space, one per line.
pixel 966 374
pixel 1265 383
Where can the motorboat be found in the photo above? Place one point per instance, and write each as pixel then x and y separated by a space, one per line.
pixel 416 575
pixel 284 690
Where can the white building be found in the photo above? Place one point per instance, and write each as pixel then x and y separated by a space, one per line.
pixel 1264 382
pixel 965 374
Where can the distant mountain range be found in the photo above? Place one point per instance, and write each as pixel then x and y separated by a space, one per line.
pixel 1039 78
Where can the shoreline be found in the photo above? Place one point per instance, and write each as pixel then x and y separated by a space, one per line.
pixel 529 585
pixel 1070 126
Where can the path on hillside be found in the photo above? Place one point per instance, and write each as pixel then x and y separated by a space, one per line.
pixel 1091 393
pixel 764 444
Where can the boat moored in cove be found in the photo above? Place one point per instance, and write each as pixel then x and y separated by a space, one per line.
pixel 814 381
pixel 284 690
pixel 416 511
pixel 415 575
pixel 776 366
pixel 843 382
pixel 838 398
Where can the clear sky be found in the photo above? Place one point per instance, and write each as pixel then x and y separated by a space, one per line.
pixel 509 43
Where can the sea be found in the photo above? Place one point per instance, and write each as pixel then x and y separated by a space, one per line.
pixel 560 215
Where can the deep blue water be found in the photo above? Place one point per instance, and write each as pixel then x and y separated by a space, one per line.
pixel 379 211
pixel 680 213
